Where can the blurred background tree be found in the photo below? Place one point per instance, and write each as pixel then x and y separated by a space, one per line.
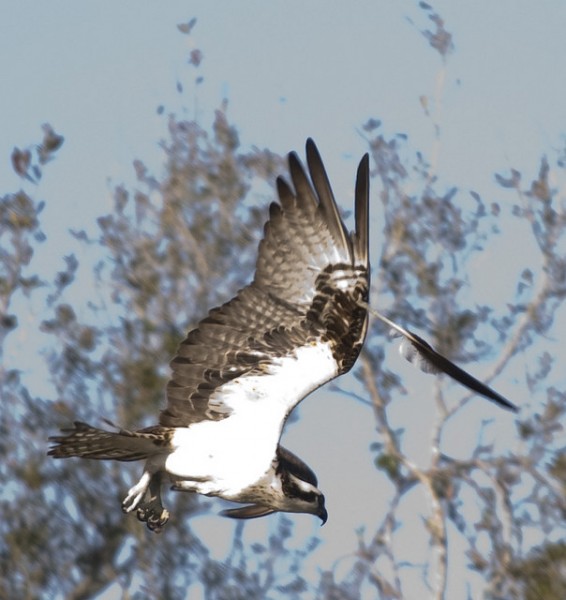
pixel 178 244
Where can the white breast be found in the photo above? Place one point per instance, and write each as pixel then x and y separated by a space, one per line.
pixel 237 451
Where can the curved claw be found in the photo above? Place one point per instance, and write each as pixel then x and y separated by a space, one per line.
pixel 153 515
pixel 149 508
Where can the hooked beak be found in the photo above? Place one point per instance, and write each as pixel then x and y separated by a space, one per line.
pixel 322 515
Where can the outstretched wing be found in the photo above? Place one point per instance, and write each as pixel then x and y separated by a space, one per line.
pixel 301 322
pixel 420 353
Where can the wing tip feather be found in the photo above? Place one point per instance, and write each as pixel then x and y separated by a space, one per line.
pixel 361 246
pixel 327 202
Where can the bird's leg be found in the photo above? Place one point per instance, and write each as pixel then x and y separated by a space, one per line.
pixel 137 492
pixel 151 510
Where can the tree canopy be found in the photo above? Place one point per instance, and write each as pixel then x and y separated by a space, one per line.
pixel 179 244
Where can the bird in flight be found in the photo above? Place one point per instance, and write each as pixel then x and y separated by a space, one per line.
pixel 237 376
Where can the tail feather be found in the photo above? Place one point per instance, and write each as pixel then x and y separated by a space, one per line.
pixel 86 441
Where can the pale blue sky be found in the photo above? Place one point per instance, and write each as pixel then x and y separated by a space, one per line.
pixel 98 70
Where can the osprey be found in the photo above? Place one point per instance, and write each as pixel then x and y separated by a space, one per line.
pixel 237 376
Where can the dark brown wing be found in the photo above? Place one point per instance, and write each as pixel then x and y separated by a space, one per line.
pixel 420 353
pixel 310 276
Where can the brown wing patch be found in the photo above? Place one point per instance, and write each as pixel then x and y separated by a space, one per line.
pixel 235 339
pixel 336 306
pixel 310 274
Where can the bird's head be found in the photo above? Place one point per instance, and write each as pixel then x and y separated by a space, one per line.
pixel 303 496
pixel 292 488
pixel 299 485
